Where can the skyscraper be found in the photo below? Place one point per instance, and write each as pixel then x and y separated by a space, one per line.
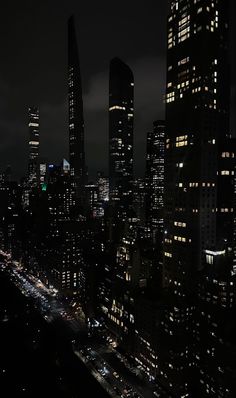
pixel 197 117
pixel 33 169
pixel 76 115
pixel 197 113
pixel 121 113
pixel 155 177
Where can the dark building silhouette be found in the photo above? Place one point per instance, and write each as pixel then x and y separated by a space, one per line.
pixel 121 112
pixel 92 202
pixel 10 220
pixel 76 114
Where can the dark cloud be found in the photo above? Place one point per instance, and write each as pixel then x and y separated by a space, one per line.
pixel 34 66
pixel 54 140
pixel 149 90
pixel 33 70
pixel 149 106
pixel 96 98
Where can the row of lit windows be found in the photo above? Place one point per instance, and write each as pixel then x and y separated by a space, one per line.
pixel 181 141
pixel 222 210
pixel 34 143
pixel 226 172
pixel 204 184
pixel 185 20
pixel 170 97
pixel 31 124
pixel 180 224
pixel 180 238
pixel 196 90
pixel 184 34
pixel 181 144
pixel 181 138
pixel 183 61
pixel 183 84
pixel 117 321
pixel 122 108
pixel 227 155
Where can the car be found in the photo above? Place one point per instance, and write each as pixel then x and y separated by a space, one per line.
pixel 127 391
pixel 156 393
pixel 127 394
pixel 116 375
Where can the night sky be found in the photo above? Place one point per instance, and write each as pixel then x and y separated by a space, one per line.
pixel 33 71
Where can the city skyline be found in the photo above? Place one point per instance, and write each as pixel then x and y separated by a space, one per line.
pixel 129 269
pixel 96 51
pixel 147 61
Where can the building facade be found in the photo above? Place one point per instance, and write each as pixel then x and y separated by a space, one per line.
pixel 197 118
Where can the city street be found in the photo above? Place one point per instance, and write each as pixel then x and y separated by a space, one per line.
pixel 105 363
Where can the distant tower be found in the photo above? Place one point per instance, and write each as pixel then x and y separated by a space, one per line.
pixel 76 114
pixel 33 172
pixel 121 95
pixel 155 177
pixel 103 187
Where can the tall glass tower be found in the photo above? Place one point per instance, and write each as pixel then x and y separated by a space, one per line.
pixel 33 170
pixel 121 113
pixel 155 177
pixel 76 114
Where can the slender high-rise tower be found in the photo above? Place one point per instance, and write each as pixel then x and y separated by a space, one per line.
pixel 76 114
pixel 121 112
pixel 155 177
pixel 33 170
